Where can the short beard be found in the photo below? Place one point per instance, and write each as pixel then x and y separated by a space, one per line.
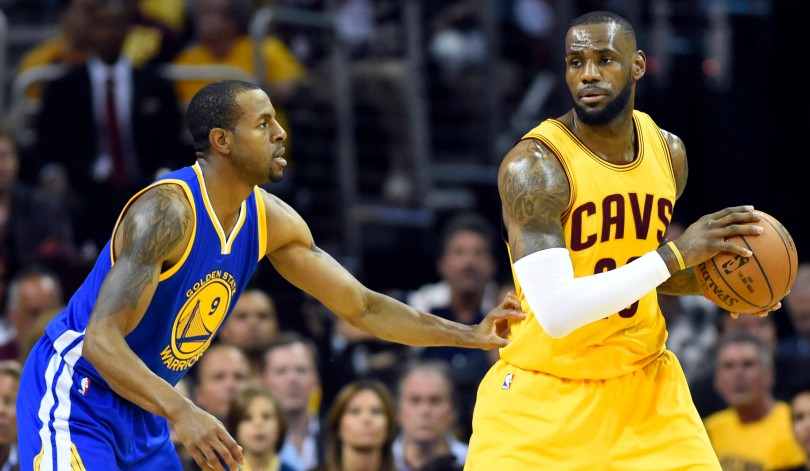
pixel 609 112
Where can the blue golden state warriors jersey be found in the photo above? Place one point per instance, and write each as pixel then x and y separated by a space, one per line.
pixel 193 298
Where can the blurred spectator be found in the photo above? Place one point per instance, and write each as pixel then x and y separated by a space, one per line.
pixel 691 332
pixel 798 307
pixel 124 125
pixel 788 370
pixel 754 432
pixel 170 12
pixel 150 40
pixel 72 46
pixel 257 424
pixel 360 429
pixel 251 327
pixel 800 415
pixel 26 341
pixel 290 372
pixel 33 291
pixel 355 354
pixel 221 39
pixel 467 291
pixel 221 374
pixel 35 223
pixel 441 294
pixel 10 371
pixel 426 413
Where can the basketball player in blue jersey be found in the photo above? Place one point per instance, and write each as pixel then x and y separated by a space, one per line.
pixel 98 386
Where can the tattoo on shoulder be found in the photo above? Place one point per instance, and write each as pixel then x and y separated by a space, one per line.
pixel 155 224
pixel 160 223
pixel 535 185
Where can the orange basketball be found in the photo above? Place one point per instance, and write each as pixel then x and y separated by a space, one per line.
pixel 748 285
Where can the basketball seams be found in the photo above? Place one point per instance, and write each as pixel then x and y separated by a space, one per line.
pixel 787 243
pixel 762 272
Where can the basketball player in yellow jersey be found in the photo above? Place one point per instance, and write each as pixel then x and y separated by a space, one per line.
pixel 586 382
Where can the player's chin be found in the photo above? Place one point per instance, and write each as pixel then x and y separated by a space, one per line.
pixel 276 175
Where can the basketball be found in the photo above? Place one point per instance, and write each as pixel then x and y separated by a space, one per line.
pixel 749 285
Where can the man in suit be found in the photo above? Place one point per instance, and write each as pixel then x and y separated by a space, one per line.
pixel 114 126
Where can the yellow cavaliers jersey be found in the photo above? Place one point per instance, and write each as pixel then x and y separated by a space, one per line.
pixel 617 213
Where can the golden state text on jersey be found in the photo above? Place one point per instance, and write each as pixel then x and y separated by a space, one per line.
pixel 194 297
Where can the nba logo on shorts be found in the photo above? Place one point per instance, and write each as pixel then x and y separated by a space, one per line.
pixel 84 386
pixel 507 382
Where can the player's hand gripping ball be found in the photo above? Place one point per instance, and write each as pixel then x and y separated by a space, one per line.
pixel 750 285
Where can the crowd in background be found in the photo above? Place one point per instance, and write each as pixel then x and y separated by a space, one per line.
pixel 297 387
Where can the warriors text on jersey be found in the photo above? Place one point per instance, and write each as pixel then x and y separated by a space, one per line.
pixel 194 297
pixel 69 417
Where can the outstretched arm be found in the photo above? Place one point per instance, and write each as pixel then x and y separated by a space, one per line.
pixel 296 257
pixel 154 232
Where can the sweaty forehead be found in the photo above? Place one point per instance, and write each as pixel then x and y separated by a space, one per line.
pixel 599 37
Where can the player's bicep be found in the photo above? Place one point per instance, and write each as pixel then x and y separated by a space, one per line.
pixel 315 272
pixel 534 192
pixel 153 233
pixel 292 251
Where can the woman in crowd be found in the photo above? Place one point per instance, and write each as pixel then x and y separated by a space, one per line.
pixel 256 422
pixel 360 428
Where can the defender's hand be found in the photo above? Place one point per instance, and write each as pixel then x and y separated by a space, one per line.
pixel 489 333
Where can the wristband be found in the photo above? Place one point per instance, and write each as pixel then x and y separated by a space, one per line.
pixel 677 253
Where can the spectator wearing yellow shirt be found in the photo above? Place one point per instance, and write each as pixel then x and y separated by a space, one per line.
pixel 221 39
pixel 71 46
pixel 754 432
pixel 149 40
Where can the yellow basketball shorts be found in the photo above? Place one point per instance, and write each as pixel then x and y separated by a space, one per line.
pixel 645 420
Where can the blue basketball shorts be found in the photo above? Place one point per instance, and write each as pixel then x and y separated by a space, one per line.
pixel 68 419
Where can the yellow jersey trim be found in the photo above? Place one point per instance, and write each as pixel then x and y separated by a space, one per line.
pixel 173 269
pixel 262 221
pixel 76 463
pixel 572 189
pixel 225 243
pixel 624 167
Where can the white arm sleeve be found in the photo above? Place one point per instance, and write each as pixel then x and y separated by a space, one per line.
pixel 562 303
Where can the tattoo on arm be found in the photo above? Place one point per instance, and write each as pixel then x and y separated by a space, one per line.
pixel 152 228
pixel 535 192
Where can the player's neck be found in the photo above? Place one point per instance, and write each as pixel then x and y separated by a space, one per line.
pixel 613 142
pixel 225 192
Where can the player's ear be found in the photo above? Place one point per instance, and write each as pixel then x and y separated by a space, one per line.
pixel 220 140
pixel 639 64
